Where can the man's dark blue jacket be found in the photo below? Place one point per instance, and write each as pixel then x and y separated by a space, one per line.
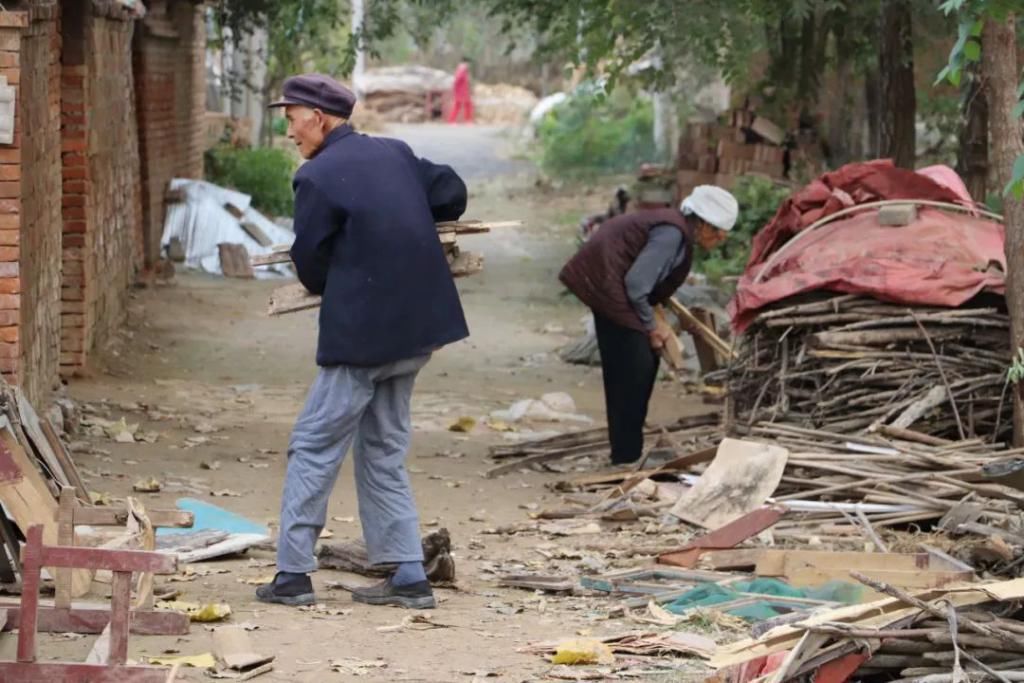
pixel 366 240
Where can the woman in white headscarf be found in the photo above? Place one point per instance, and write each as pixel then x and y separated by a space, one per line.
pixel 631 264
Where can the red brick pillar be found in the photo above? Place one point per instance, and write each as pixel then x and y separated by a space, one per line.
pixel 29 215
pixel 11 26
pixel 76 185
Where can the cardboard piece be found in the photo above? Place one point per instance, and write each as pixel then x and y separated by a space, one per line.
pixel 233 648
pixel 738 481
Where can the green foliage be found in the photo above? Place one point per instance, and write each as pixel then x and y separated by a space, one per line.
pixel 263 173
pixel 279 125
pixel 1015 373
pixel 595 133
pixel 967 49
pixel 759 199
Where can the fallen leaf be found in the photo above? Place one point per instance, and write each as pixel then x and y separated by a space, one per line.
pixel 326 533
pixel 500 426
pixel 463 425
pixel 260 465
pixel 100 498
pixel 204 427
pixel 320 608
pixel 413 622
pixel 345 520
pixel 258 581
pixel 150 485
pixel 203 661
pixel 193 441
pixel 583 651
pixel 148 437
pixel 226 493
pixel 212 465
pixel 207 613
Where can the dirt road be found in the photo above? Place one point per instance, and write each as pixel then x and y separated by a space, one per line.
pixel 200 353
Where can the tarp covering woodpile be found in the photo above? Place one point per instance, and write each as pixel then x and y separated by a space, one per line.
pixel 858 325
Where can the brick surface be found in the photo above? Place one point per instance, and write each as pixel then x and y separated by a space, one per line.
pixel 36 296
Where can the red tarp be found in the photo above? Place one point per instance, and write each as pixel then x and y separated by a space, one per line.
pixel 941 259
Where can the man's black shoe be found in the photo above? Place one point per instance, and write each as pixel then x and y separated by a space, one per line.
pixel 290 589
pixel 417 595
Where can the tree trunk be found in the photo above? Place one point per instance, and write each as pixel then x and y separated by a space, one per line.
pixel 897 135
pixel 999 69
pixel 874 114
pixel 972 153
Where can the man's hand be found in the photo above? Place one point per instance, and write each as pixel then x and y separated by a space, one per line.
pixel 659 336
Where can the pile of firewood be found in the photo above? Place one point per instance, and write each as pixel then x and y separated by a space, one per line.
pixel 853 363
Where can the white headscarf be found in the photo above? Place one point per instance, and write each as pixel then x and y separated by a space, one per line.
pixel 714 205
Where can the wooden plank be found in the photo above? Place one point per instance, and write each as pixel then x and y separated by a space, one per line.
pixel 37 439
pixel 724 538
pixel 256 232
pixel 66 461
pixel 694 323
pixel 120 605
pixel 738 481
pixel 292 298
pixel 65 536
pixel 113 560
pixel 672 351
pixel 106 516
pixel 271 259
pixel 774 562
pixel 743 558
pixel 234 261
pixel 92 620
pixel 28 500
pixel 30 563
pixel 801 575
pixel 68 672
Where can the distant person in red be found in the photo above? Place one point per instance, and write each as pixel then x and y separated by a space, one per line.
pixel 462 100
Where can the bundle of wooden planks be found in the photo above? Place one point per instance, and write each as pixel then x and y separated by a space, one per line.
pixel 34 467
pixel 850 363
pixel 295 297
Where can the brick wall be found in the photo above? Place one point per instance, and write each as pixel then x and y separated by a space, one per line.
pixel 170 96
pixel 102 199
pixel 30 277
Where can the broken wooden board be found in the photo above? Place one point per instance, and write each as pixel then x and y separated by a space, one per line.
pixel 738 481
pixel 37 440
pixel 292 298
pixel 27 497
pixel 466 263
pixel 724 538
pixel 234 261
pixel 548 584
pixel 256 232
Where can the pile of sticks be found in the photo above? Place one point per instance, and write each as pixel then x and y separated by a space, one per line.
pixel 688 433
pixel 843 489
pixel 852 363
pixel 934 636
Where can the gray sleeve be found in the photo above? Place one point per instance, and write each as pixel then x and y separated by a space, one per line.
pixel 654 261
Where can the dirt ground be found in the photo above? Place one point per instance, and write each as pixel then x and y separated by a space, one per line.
pixel 201 350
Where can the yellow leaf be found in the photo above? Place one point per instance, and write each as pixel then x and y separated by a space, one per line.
pixel 500 426
pixel 583 651
pixel 196 612
pixel 150 485
pixel 463 425
pixel 203 661
pixel 258 581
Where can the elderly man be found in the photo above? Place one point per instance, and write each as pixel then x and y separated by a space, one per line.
pixel 365 239
pixel 633 262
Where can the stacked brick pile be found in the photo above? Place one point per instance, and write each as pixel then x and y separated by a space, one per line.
pixel 719 153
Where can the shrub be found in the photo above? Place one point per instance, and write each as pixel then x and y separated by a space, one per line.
pixel 263 173
pixel 759 199
pixel 594 133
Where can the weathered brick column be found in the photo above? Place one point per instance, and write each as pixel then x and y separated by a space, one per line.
pixel 102 207
pixel 30 217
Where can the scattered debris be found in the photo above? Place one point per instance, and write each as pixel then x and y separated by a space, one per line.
pixel 210 612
